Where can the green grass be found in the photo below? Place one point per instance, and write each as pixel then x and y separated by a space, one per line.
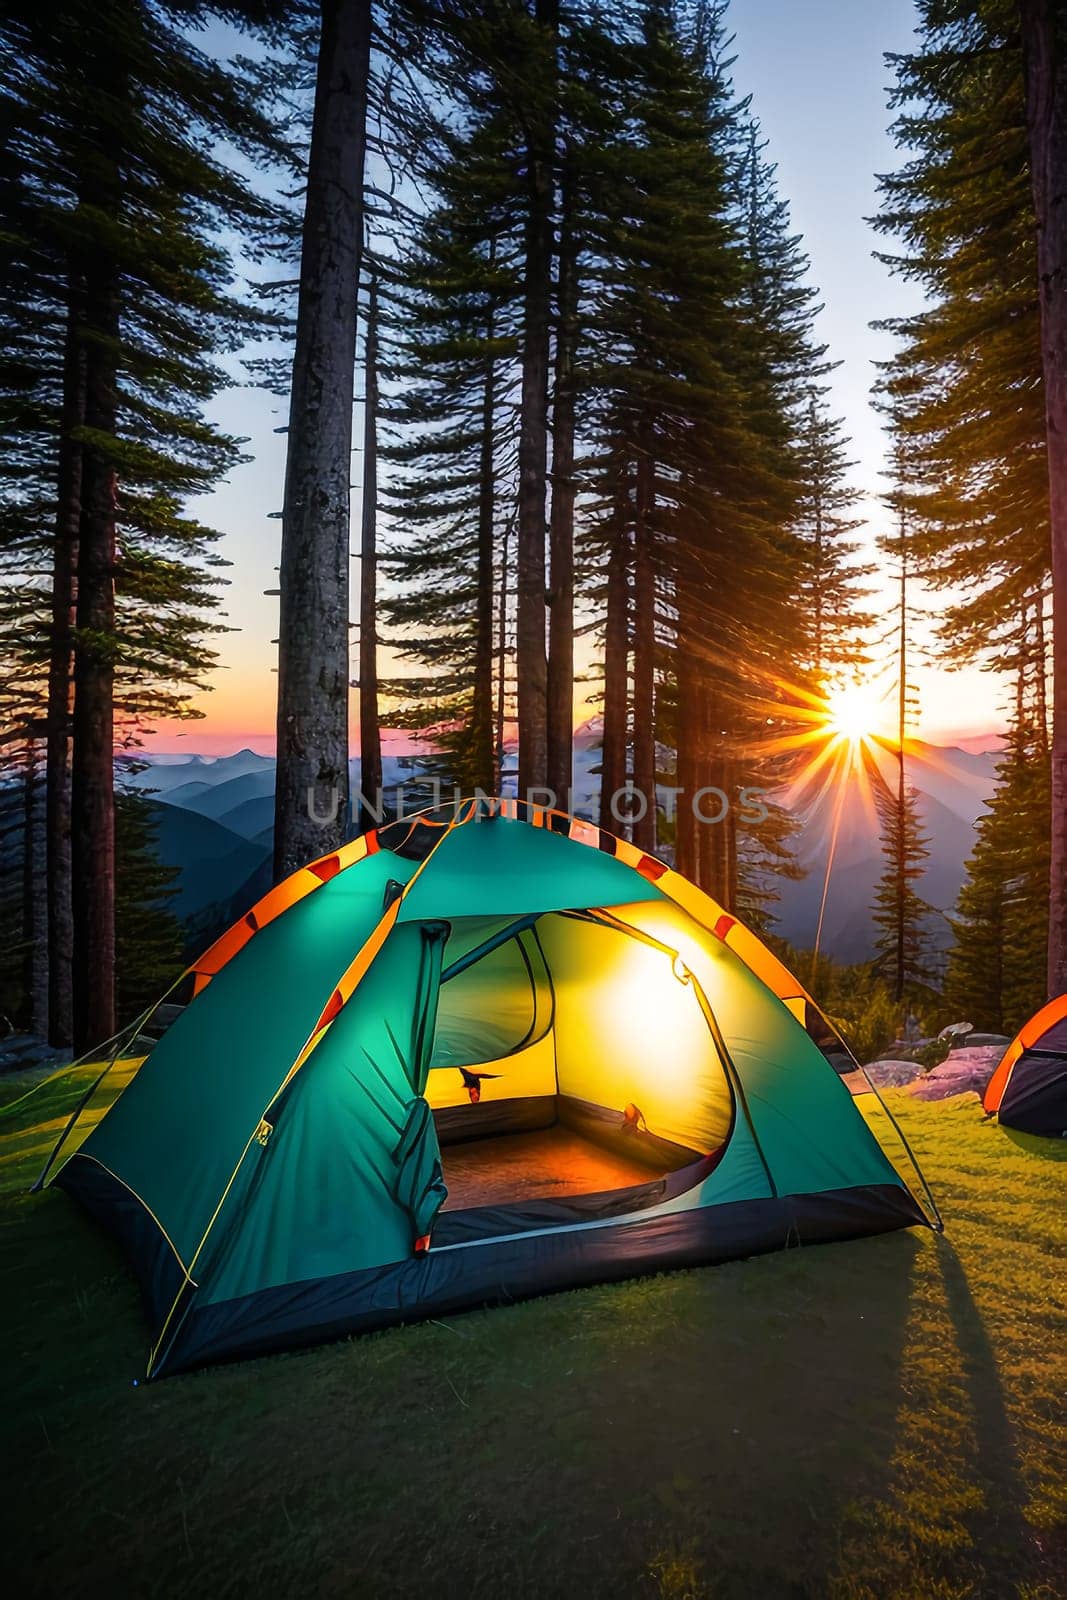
pixel 872 1419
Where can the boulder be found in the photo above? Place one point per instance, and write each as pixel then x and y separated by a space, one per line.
pixel 1001 1041
pixel 966 1070
pixel 21 1050
pixel 893 1073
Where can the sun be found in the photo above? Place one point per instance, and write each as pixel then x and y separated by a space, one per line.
pixel 853 712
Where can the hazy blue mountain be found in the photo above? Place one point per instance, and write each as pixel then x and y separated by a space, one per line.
pixel 168 773
pixel 183 794
pixel 848 932
pixel 229 793
pixel 251 817
pixel 213 861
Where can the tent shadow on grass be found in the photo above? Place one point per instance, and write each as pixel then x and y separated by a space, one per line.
pixel 1031 1145
pixel 1002 1517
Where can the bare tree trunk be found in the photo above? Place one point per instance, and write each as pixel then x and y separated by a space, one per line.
pixel 531 664
pixel 1044 29
pixel 31 950
pixel 644 702
pixel 502 659
pixel 313 663
pixel 370 737
pixel 561 526
pixel 687 739
pixel 482 751
pixel 733 870
pixel 901 864
pixel 709 873
pixel 1040 673
pixel 61 677
pixel 93 770
pixel 616 655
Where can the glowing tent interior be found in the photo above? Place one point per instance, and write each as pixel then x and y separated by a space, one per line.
pixel 468 1058
pixel 1028 1090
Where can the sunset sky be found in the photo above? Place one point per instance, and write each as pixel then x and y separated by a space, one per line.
pixel 817 77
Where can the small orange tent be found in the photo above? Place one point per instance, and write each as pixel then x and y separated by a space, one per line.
pixel 1029 1088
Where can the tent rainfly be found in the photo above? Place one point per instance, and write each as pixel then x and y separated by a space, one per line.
pixel 471 1057
pixel 1028 1090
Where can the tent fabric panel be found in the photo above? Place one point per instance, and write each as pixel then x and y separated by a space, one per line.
pixel 805 1125
pixel 1028 1036
pixel 499 1004
pixel 178 1132
pixel 708 914
pixel 629 1035
pixel 1054 1037
pixel 462 1124
pixel 465 1277
pixel 520 1075
pixel 334 1188
pixel 499 867
pixel 1035 1100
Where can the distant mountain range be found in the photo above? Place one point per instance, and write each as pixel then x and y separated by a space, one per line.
pixel 953 789
pixel 215 819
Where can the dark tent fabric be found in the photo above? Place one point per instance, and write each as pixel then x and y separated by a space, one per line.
pixel 471 1057
pixel 1028 1090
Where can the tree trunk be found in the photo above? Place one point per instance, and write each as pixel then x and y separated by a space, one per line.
pixel 644 701
pixel 502 661
pixel 531 665
pixel 1044 27
pixel 93 770
pixel 370 737
pixel 311 797
pixel 901 864
pixel 730 842
pixel 482 751
pixel 616 654
pixel 61 677
pixel 1040 674
pixel 561 526
pixel 687 739
pixel 33 950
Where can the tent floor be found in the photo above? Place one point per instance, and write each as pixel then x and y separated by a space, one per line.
pixel 545 1165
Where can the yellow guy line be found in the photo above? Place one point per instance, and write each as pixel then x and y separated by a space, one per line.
pixel 370 949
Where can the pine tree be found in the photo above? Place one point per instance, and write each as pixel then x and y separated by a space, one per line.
pixel 1044 37
pixel 831 579
pixel 998 961
pixel 963 391
pixel 450 341
pixel 899 913
pixel 123 303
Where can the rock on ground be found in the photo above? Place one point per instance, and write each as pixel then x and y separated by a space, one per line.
pixel 21 1050
pixel 893 1073
pixel 966 1069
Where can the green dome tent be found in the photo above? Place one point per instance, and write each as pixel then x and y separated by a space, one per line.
pixel 466 1059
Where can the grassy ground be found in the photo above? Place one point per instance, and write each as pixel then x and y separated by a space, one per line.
pixel 864 1420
